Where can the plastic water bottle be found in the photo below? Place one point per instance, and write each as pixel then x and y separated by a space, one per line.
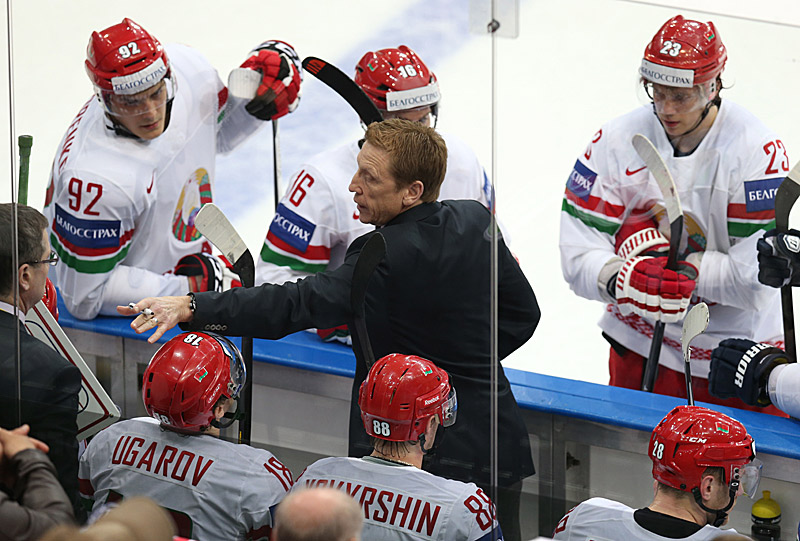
pixel 766 517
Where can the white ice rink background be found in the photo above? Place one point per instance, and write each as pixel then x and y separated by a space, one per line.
pixel 572 68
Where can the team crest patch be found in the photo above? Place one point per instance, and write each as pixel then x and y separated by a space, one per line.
pixel 759 195
pixel 581 180
pixel 87 233
pixel 292 228
pixel 195 193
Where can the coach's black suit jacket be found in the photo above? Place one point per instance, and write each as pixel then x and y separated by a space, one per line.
pixel 50 386
pixel 429 297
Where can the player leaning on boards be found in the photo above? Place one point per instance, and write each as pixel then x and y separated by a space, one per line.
pixel 403 402
pixel 726 165
pixel 213 489
pixel 702 461
pixel 415 302
pixel 316 220
pixel 137 163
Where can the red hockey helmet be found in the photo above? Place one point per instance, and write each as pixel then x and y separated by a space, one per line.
pixel 187 376
pixel 684 53
pixel 397 79
pixel 50 298
pixel 401 393
pixel 124 59
pixel 691 438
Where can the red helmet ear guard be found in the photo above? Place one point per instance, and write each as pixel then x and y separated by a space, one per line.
pixel 187 376
pixel 397 79
pixel 400 394
pixel 690 439
pixel 50 298
pixel 684 53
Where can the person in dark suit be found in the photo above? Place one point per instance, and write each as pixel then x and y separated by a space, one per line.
pixel 49 384
pixel 430 296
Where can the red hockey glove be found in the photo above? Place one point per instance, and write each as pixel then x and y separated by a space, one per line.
pixel 50 298
pixel 207 272
pixel 647 241
pixel 646 288
pixel 279 90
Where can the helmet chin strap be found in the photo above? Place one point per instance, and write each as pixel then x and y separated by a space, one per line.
pixel 703 116
pixel 720 514
pixel 229 417
pixel 436 441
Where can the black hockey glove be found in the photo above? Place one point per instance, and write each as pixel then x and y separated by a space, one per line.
pixel 740 368
pixel 779 258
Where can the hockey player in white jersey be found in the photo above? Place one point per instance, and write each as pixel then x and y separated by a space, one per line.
pixel 404 401
pixel 137 163
pixel 317 219
pixel 702 461
pixel 214 489
pixel 726 165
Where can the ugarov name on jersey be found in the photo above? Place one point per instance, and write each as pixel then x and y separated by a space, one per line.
pixel 389 507
pixel 164 460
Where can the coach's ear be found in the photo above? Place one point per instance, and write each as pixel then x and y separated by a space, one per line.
pixel 413 193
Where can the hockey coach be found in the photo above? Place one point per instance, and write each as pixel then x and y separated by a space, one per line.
pixel 430 296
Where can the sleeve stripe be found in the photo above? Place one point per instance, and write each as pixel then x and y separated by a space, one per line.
pixel 314 253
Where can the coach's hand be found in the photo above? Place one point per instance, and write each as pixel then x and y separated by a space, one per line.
pixel 158 314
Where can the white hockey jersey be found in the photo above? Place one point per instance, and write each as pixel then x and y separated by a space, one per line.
pixel 121 209
pixel 317 219
pixel 726 188
pixel 599 519
pixel 784 388
pixel 404 503
pixel 212 488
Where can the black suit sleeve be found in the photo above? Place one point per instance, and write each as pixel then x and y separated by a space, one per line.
pixel 518 311
pixel 274 311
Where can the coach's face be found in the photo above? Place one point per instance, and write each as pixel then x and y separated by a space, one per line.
pixel 376 192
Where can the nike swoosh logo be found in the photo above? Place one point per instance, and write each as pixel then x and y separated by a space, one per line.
pixel 151 183
pixel 629 172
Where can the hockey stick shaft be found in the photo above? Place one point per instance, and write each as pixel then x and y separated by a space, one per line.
pixel 345 87
pixel 371 255
pixel 216 227
pixel 276 162
pixel 25 142
pixel 658 169
pixel 787 194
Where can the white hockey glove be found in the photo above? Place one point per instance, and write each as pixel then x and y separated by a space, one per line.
pixel 270 78
pixel 207 273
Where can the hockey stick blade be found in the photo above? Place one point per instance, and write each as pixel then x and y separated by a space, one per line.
pixel 345 87
pixel 787 194
pixel 216 227
pixel 371 255
pixel 655 164
pixel 694 324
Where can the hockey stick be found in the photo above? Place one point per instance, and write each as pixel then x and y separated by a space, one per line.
pixel 216 227
pixel 787 194
pixel 243 83
pixel 25 142
pixel 371 255
pixel 655 164
pixel 345 87
pixel 694 324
